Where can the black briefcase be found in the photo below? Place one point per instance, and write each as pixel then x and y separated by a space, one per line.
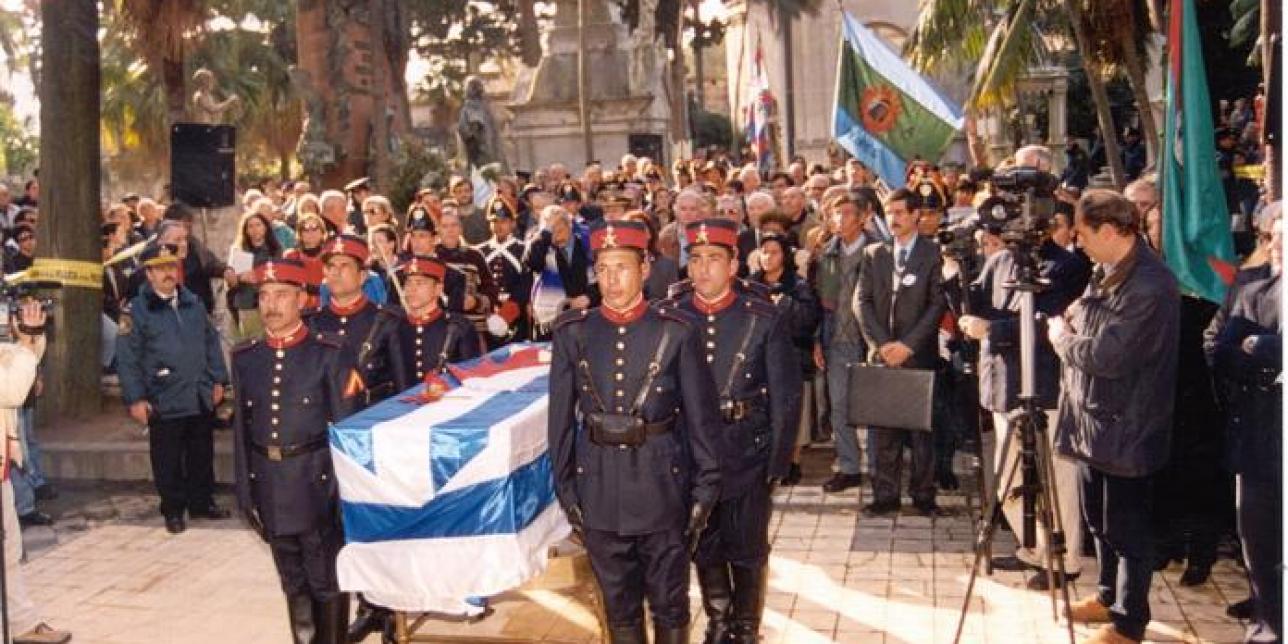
pixel 890 398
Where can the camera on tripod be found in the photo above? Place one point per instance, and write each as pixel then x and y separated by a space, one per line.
pixel 1020 207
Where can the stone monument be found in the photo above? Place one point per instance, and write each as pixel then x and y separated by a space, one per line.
pixel 626 82
pixel 477 127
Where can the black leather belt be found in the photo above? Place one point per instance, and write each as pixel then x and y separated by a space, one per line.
pixel 736 410
pixel 279 452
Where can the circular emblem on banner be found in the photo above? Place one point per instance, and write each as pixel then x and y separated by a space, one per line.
pixel 880 108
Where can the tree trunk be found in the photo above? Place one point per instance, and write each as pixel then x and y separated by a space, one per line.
pixel 69 200
pixel 680 128
pixel 176 102
pixel 975 144
pixel 1104 115
pixel 1136 73
pixel 699 71
pixel 1272 75
pixel 529 34
pixel 351 53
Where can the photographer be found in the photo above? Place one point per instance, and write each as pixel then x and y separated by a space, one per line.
pixel 996 323
pixel 18 363
pixel 1117 345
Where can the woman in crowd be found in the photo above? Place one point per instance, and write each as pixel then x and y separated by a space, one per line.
pixel 254 236
pixel 382 239
pixel 310 231
pixel 792 294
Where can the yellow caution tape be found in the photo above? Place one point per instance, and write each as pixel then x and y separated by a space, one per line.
pixel 67 271
pixel 1250 171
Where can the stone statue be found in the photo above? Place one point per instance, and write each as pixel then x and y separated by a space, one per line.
pixel 477 127
pixel 648 56
pixel 205 108
pixel 313 151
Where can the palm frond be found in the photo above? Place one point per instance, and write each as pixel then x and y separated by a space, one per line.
pixel 1010 51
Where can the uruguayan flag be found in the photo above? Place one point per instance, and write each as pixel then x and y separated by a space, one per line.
pixel 452 499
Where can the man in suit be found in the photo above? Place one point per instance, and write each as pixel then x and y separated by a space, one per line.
pixel 899 301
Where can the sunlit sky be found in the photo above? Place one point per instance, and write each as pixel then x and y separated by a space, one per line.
pixel 18 82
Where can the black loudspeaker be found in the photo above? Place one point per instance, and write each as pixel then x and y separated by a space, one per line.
pixel 203 167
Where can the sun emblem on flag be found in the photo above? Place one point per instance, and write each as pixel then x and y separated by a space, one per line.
pixel 880 107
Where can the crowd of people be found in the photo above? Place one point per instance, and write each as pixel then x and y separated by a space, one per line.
pixel 842 270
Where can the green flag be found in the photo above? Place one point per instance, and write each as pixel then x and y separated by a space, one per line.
pixel 1196 224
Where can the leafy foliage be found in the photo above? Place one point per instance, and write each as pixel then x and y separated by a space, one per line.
pixel 455 36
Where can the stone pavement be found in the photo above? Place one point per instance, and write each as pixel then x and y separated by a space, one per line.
pixel 112 575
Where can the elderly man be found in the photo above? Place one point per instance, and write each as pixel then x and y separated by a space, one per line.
pixel 149 217
pixel 749 175
pixel 562 265
pixel 1118 348
pixel 795 205
pixel 334 213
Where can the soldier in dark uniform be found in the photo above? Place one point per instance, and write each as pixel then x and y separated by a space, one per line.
pixel 504 256
pixel 758 379
pixel 430 336
pixel 289 386
pixel 368 329
pixel 639 474
pixel 422 239
pixel 741 286
pixel 1247 356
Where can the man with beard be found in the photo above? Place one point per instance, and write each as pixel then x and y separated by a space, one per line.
pixel 290 385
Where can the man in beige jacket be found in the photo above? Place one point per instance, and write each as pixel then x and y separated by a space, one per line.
pixel 18 363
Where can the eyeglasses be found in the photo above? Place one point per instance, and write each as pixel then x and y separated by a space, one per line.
pixel 371 212
pixel 310 229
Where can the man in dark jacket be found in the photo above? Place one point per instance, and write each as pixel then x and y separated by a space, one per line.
pixel 1118 348
pixel 899 301
pixel 1248 360
pixel 172 377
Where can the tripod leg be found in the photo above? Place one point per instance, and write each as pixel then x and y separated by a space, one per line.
pixel 983 542
pixel 1052 525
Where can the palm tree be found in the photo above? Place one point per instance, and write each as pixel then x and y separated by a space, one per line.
pixel 1003 36
pixel 162 33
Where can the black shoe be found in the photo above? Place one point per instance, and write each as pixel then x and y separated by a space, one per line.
pixel 35 517
pixel 46 492
pixel 927 508
pixel 749 587
pixel 370 619
pixel 1011 564
pixel 211 511
pixel 1039 580
pixel 175 525
pixel 881 508
pixel 332 618
pixel 1241 609
pixel 945 477
pixel 301 611
pixel 793 475
pixel 1196 574
pixel 717 601
pixel 840 482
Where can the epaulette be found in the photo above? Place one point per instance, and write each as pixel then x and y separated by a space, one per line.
pixel 756 289
pixel 244 345
pixel 570 316
pixel 674 291
pixel 668 311
pixel 760 307
pixel 328 340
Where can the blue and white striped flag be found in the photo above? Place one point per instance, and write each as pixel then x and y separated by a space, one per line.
pixel 452 499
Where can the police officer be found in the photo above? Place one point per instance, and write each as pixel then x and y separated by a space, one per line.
pixel 638 476
pixel 1248 359
pixel 504 256
pixel 431 336
pixel 368 329
pixel 289 386
pixel 172 377
pixel 758 381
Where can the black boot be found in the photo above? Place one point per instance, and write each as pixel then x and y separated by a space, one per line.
pixel 749 585
pixel 717 601
pixel 333 619
pixel 793 475
pixel 303 624
pixel 627 634
pixel 370 619
pixel 670 634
